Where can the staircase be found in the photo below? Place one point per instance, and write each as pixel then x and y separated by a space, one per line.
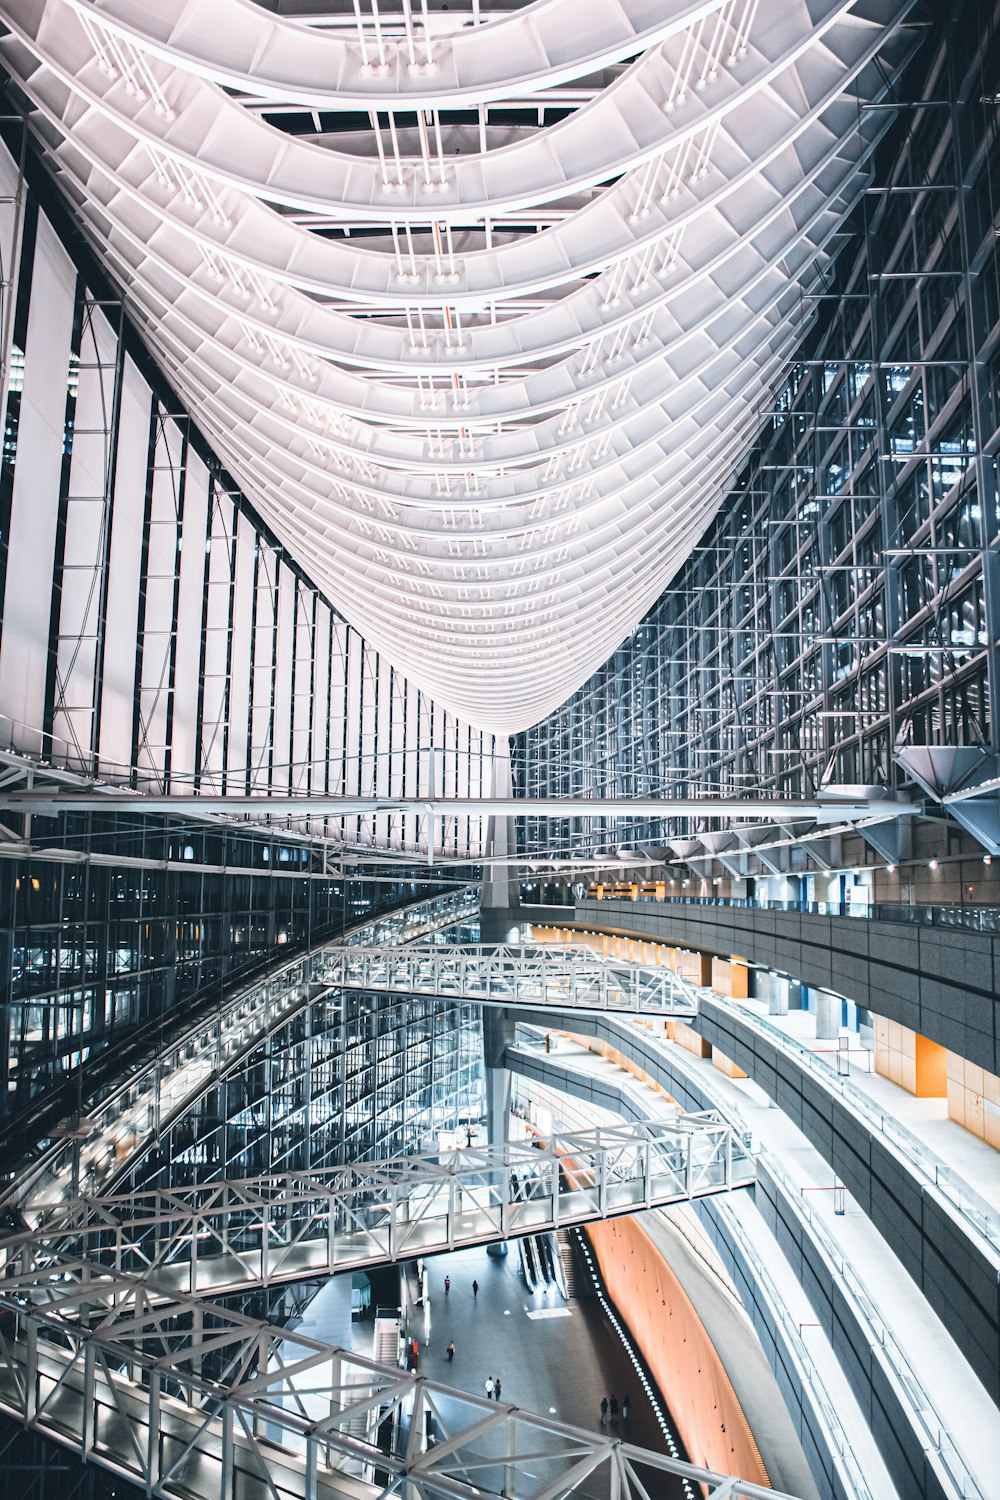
pixel 568 1261
pixel 386 1351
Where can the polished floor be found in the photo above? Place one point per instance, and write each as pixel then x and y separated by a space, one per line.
pixel 553 1357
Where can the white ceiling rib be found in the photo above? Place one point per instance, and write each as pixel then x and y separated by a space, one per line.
pixel 489 376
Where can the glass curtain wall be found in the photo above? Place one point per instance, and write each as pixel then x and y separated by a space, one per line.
pixel 845 602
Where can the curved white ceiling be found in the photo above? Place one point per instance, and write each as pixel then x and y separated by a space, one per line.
pixel 481 313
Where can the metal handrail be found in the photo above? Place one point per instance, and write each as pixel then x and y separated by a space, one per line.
pixel 976 918
pixel 919 1402
pixel 981 1216
pixel 921 1406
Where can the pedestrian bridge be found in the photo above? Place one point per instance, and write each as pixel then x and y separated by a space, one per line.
pixel 183 1398
pixel 228 1236
pixel 533 976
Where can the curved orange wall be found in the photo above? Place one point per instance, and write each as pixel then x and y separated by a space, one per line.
pixel 676 1349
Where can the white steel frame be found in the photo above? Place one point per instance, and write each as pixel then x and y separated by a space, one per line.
pixel 182 1397
pixel 228 1236
pixel 492 428
pixel 87 1153
pixel 545 975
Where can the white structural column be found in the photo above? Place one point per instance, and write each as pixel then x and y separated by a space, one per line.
pixel 479 312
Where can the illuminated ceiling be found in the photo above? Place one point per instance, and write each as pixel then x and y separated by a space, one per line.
pixel 481 306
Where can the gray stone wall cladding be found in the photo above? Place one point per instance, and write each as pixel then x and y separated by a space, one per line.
pixel 955 1278
pixel 878 1395
pixel 942 982
pixel 548 1069
pixel 811 1435
pixel 950 1264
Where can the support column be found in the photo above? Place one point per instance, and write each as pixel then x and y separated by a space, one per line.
pixel 501 883
pixel 498 1033
pixel 828 1012
pixel 497 921
pixel 777 996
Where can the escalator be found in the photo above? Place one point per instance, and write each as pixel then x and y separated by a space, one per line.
pixel 541 1264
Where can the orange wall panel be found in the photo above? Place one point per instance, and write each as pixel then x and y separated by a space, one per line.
pixel 932 1069
pixel 677 1350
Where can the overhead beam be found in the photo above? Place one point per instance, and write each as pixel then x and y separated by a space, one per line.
pixel 51 803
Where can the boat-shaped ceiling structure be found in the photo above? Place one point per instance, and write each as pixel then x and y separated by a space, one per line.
pixel 481 308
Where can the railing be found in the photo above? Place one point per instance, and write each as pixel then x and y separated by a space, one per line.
pixel 229 1235
pixel 981 1217
pixel 91 1151
pixel 811 1376
pixel 184 1397
pixel 813 1384
pixel 973 918
pixel 923 1414
pixel 544 975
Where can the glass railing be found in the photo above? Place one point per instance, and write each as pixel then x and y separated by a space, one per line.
pixel 978 1214
pixel 971 918
pixel 814 1380
pixel 924 1416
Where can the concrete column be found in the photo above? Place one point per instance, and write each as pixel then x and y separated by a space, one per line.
pixel 500 898
pixel 777 996
pixel 828 1012
pixel 498 1033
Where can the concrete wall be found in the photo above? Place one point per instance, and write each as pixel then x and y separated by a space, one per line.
pixel 954 1270
pixel 822 1464
pixel 940 981
pixel 677 1349
pixel 795 1392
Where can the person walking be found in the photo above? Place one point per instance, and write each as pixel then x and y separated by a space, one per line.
pixel 451 1352
pixel 626 1408
pixel 489 1387
pixel 496 1388
pixel 604 1410
pixel 475 1290
pixel 614 1410
pixel 447 1285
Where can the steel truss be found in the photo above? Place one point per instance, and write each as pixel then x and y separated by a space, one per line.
pixel 548 975
pixel 839 621
pixel 181 1396
pixel 92 1150
pixel 226 1236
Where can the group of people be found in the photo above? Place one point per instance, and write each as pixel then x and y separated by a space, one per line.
pixel 612 1407
pixel 447 1287
pixel 451 1346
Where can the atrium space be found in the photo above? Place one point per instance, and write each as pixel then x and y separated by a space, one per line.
pixel 500 749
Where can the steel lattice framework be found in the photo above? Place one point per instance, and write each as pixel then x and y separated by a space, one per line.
pixel 84 1154
pixel 183 1397
pixel 227 1236
pixel 511 975
pixel 488 379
